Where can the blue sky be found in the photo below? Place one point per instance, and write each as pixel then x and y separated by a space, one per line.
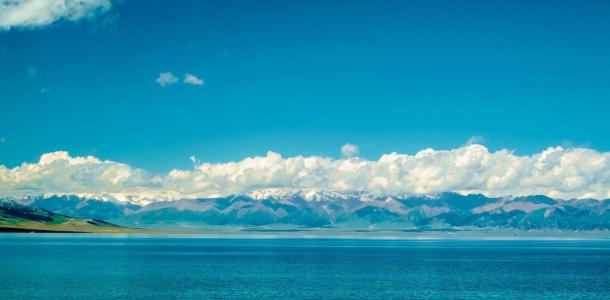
pixel 304 78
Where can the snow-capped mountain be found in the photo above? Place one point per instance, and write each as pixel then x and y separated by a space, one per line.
pixel 311 194
pixel 325 208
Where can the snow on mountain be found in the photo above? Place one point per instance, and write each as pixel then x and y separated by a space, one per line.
pixel 128 198
pixel 311 194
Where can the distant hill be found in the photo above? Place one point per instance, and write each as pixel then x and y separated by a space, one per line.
pixel 15 217
pixel 340 210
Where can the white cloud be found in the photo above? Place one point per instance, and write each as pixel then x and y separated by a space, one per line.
pixel 192 79
pixel 59 172
pixel 38 13
pixel 194 159
pixel 556 172
pixel 349 150
pixel 2 140
pixel 166 78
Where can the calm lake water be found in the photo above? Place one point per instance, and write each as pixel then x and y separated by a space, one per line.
pixel 114 267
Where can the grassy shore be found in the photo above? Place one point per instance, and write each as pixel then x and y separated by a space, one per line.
pixel 79 226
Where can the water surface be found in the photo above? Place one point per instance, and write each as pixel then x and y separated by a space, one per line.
pixel 46 266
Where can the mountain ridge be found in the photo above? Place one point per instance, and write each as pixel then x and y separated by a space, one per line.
pixel 335 209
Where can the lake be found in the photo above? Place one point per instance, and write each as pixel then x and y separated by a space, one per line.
pixel 55 266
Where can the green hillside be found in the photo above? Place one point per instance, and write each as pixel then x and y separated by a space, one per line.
pixel 15 217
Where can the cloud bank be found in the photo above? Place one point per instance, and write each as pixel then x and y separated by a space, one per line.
pixel 556 172
pixel 39 13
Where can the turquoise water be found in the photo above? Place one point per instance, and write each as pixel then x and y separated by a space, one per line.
pixel 113 267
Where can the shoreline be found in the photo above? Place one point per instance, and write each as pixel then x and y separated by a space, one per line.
pixel 324 234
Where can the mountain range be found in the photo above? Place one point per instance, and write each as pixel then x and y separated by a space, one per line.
pixel 334 209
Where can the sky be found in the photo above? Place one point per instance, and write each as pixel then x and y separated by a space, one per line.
pixel 164 85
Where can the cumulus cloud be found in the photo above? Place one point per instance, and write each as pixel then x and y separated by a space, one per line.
pixel 556 172
pixel 192 79
pixel 39 13
pixel 58 172
pixel 349 150
pixel 166 78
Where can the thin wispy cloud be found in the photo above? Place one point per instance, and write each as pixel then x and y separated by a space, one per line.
pixel 477 139
pixel 40 13
pixel 32 72
pixel 349 150
pixel 194 160
pixel 166 78
pixel 555 172
pixel 192 79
